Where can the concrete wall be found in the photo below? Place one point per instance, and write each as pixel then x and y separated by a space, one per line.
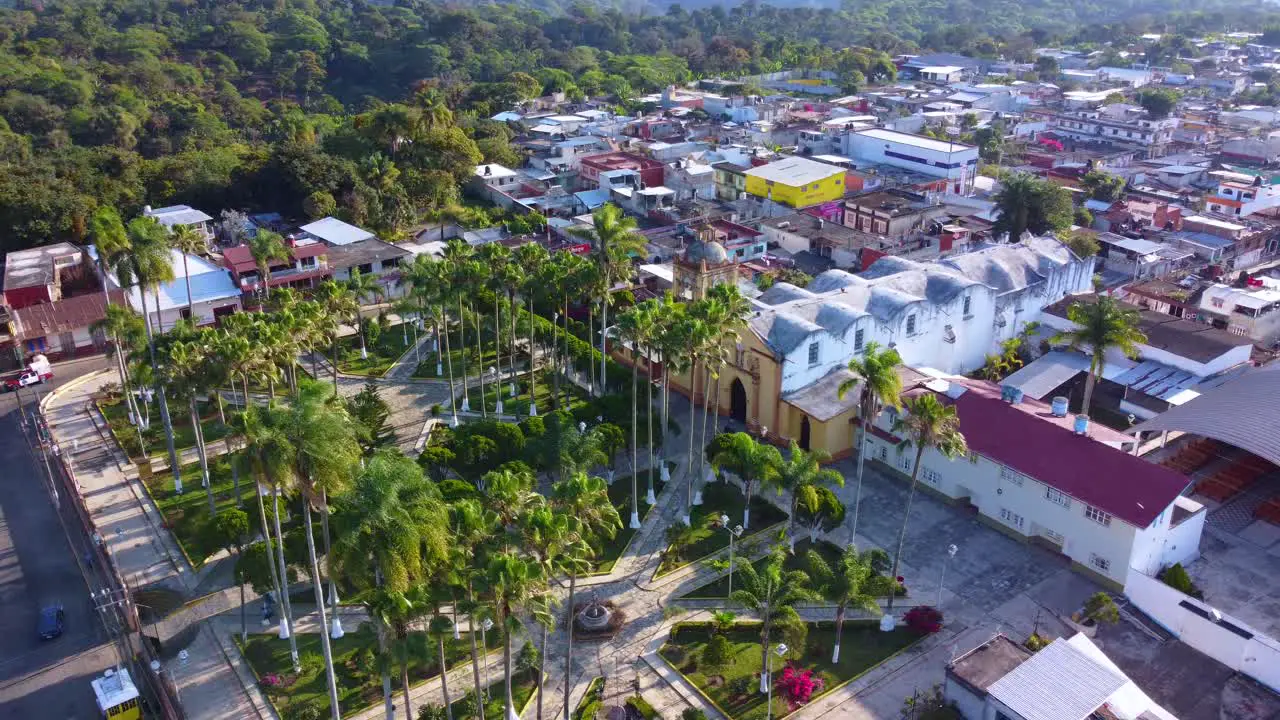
pixel 1257 656
pixel 971 706
pixel 202 312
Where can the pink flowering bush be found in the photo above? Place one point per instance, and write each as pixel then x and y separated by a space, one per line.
pixel 798 687
pixel 272 680
pixel 923 619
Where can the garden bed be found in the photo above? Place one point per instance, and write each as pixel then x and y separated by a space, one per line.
pixel 733 686
pixel 383 352
pixel 187 515
pixel 590 704
pixel 719 589
pixel 721 498
pixel 519 405
pixel 116 412
pixel 457 352
pixel 523 685
pixel 355 667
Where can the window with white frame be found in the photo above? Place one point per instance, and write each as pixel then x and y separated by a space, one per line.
pixel 1097 515
pixel 1011 475
pixel 884 454
pixel 1056 537
pixel 904 461
pixel 1099 562
pixel 1012 519
pixel 931 476
pixel 813 354
pixel 911 324
pixel 859 336
pixel 1055 496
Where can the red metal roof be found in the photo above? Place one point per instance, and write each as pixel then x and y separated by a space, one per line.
pixel 63 316
pixel 1030 439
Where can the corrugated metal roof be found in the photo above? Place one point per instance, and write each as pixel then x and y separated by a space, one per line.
pixel 1057 683
pixel 336 232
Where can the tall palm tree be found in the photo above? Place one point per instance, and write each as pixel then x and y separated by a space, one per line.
pixel 772 594
pixel 150 265
pixel 496 260
pixel 339 303
pixel 111 242
pixel 267 247
pixel 554 280
pixel 188 241
pixel 325 455
pixel 186 355
pixel 752 461
pixel 1101 325
pixel 854 581
pixel 734 309
pixel 927 424
pixel 397 611
pixel 584 499
pixel 124 327
pixel 391 527
pixel 530 257
pixel 514 580
pixel 613 240
pixel 648 332
pixel 671 348
pixel 695 334
pixel 879 386
pixel 802 474
pixel 715 319
pixel 363 286
pixel 634 328
pixel 463 274
pixel 550 539
pixel 472 525
pixel 267 453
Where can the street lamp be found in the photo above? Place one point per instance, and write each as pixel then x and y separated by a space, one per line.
pixel 734 532
pixel 485 627
pixel 604 356
pixel 497 389
pixel 780 650
pixel 951 553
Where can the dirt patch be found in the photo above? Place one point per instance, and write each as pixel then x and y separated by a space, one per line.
pixel 715 681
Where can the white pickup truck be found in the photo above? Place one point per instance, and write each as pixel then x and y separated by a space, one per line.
pixel 38 371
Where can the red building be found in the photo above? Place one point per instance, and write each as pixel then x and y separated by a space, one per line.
pixel 306 266
pixel 36 276
pixel 651 171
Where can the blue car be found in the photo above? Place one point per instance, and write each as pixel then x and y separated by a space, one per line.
pixel 51 622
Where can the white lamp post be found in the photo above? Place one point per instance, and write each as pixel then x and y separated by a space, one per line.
pixel 497 389
pixel 485 627
pixel 734 532
pixel 951 553
pixel 780 650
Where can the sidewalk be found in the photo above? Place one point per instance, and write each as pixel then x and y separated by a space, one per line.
pixel 212 681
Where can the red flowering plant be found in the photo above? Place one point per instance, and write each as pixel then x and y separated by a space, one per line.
pixel 798 687
pixel 923 619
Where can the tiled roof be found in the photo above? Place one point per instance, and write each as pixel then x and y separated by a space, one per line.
pixel 1028 438
pixel 63 316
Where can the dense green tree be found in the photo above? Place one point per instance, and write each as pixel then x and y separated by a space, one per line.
pixel 1028 204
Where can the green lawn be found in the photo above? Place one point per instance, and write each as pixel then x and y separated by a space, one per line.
pixel 862 647
pixel 523 683
pixel 720 588
pixel 186 515
pixel 488 358
pixel 620 495
pixel 117 414
pixel 359 684
pixel 383 352
pixel 589 705
pixel 722 498
pixel 519 405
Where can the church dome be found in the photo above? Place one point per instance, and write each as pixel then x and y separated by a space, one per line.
pixel 712 252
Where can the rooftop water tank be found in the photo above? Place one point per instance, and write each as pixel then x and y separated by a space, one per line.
pixel 1059 406
pixel 1082 424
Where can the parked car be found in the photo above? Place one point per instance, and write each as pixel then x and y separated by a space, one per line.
pixel 51 622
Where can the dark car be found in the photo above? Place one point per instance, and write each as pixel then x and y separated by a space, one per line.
pixel 51 622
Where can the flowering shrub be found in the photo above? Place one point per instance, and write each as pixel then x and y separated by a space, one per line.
pixel 272 680
pixel 923 619
pixel 798 687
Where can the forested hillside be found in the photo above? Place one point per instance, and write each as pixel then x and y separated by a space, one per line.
pixel 283 104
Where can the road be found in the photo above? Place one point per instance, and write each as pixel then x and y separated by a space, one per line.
pixel 38 566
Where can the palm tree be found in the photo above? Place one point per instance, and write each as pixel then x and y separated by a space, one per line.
pixel 186 356
pixel 267 454
pixel 878 385
pixel 671 348
pixel 752 461
pixel 363 287
pixel 551 281
pixel 772 594
pixel 853 582
pixel 472 525
pixel 188 241
pixel 634 327
pixel 613 241
pixel 1101 325
pixel 695 335
pixel 927 424
pixel 531 257
pixel 391 526
pixel 584 499
pixel 339 303
pixel 514 581
pixel 395 611
pixel 557 549
pixel 149 265
pixel 124 327
pixel 802 475
pixel 111 241
pixel 324 456
pixel 714 316
pixel 496 259
pixel 267 247
pixel 649 333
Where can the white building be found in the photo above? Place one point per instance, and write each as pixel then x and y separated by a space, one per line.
pixel 214 293
pixel 936 158
pixel 1023 476
pixel 332 231
pixel 946 314
pixel 1094 126
pixel 1242 199
pixel 1252 312
pixel 1067 680
pixel 176 216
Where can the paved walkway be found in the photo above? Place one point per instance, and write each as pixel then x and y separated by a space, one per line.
pixel 212 681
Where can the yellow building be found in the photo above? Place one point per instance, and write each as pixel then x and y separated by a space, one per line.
pixel 797 182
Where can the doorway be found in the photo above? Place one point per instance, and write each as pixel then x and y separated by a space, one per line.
pixel 804 432
pixel 738 401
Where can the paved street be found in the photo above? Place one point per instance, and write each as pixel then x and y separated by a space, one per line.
pixel 38 566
